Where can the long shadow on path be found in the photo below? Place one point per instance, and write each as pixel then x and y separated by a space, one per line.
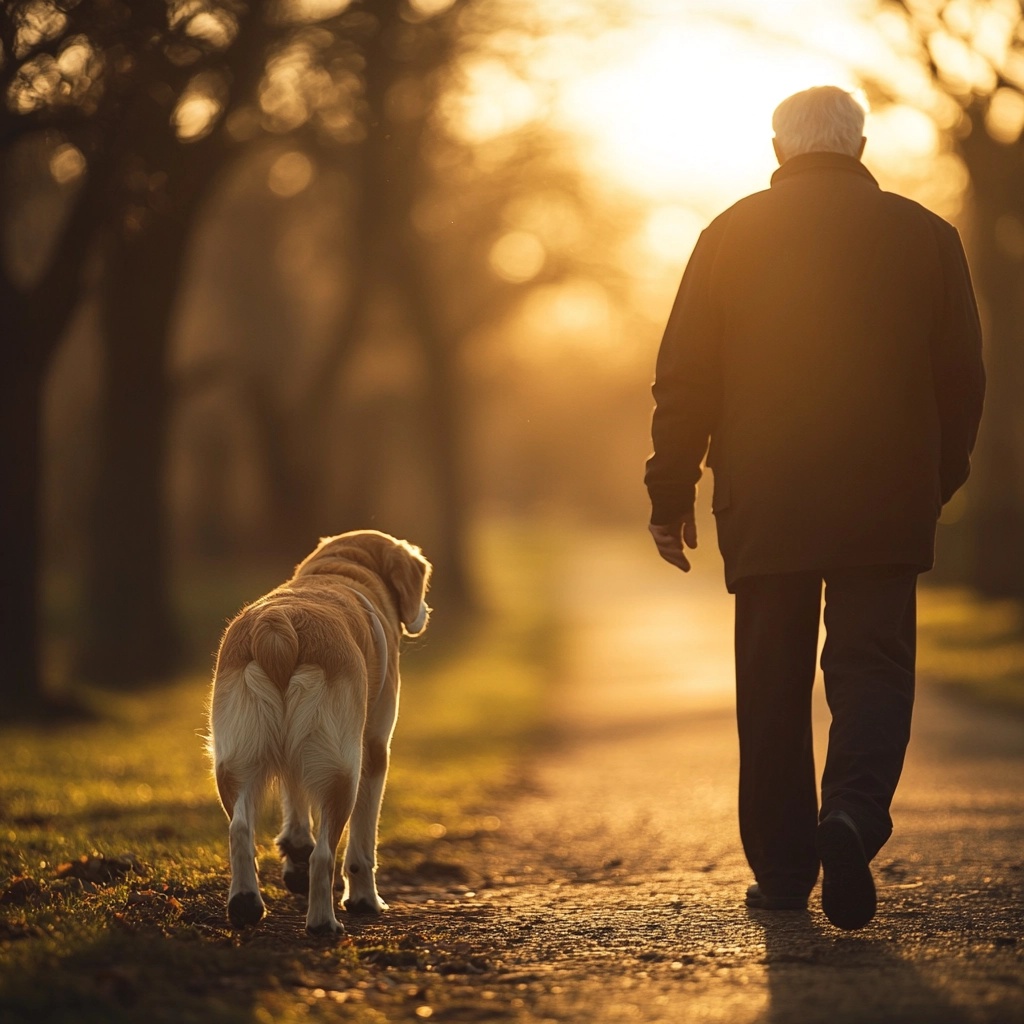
pixel 813 974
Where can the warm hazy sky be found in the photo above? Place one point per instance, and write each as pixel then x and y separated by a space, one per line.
pixel 677 102
pixel 671 100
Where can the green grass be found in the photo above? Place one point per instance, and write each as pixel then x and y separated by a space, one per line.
pixel 975 646
pixel 153 944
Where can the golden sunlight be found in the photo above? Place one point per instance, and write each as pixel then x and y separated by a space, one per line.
pixel 684 111
pixel 576 316
pixel 666 106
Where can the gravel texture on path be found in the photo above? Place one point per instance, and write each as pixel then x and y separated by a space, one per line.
pixel 612 890
pixel 607 884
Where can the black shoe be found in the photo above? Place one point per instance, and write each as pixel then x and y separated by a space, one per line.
pixel 847 888
pixel 757 900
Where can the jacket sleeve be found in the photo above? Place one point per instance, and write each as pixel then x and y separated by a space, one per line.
pixel 687 390
pixel 957 370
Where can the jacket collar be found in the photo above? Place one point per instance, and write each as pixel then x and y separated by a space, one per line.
pixel 806 163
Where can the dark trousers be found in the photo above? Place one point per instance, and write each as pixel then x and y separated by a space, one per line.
pixel 868 665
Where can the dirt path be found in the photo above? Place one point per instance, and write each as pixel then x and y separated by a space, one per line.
pixel 613 889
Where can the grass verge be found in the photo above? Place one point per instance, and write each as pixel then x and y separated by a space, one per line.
pixel 973 645
pixel 113 849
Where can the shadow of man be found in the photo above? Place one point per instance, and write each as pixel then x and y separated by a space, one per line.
pixel 816 973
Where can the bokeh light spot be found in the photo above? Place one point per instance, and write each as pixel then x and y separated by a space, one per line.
pixel 1004 118
pixel 517 256
pixel 66 164
pixel 195 115
pixel 290 174
pixel 429 8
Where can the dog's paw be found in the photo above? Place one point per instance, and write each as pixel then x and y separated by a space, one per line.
pixel 365 906
pixel 325 929
pixel 296 878
pixel 245 909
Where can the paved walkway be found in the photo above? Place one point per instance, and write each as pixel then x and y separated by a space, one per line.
pixel 628 904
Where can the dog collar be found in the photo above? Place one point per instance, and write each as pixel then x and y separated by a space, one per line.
pixel 379 637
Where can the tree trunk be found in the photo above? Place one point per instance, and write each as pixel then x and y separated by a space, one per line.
pixel 131 632
pixel 392 169
pixel 20 528
pixel 996 489
pixel 444 429
pixel 34 319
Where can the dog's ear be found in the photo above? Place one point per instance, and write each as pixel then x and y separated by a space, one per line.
pixel 408 574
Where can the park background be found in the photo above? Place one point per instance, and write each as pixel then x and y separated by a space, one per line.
pixel 275 270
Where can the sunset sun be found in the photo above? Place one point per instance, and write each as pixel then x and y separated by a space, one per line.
pixel 687 111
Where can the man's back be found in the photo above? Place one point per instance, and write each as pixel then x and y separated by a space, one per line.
pixel 823 305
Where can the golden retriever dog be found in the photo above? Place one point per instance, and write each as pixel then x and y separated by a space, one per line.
pixel 305 692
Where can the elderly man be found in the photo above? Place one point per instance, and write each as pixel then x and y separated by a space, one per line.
pixel 825 341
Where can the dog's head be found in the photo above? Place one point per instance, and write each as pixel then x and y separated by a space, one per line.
pixel 400 565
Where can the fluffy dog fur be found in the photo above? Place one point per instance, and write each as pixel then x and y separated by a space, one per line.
pixel 297 697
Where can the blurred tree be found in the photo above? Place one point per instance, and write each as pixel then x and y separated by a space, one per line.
pixel 190 63
pixel 129 98
pixel 330 92
pixel 140 107
pixel 413 54
pixel 974 54
pixel 54 110
pixel 408 172
pixel 208 76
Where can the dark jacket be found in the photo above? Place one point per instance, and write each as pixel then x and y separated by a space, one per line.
pixel 825 339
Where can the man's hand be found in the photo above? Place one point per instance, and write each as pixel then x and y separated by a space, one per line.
pixel 670 540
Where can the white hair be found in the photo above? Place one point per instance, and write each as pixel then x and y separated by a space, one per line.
pixel 823 119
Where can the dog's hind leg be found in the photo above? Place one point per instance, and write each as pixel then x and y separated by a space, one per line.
pixel 245 721
pixel 361 896
pixel 245 905
pixel 295 841
pixel 323 726
pixel 334 800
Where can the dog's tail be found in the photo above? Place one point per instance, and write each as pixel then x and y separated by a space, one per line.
pixel 275 645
